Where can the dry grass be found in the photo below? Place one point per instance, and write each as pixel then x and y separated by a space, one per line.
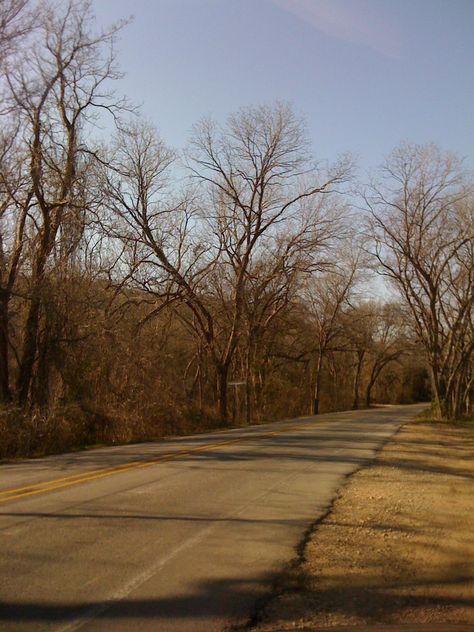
pixel 398 545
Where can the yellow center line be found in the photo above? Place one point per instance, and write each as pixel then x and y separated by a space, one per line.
pixel 110 470
pixel 75 479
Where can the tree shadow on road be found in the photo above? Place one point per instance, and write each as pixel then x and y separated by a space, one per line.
pixel 227 598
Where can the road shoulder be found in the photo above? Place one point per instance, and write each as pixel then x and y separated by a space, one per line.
pixel 397 546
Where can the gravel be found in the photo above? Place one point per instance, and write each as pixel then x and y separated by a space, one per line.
pixel 397 546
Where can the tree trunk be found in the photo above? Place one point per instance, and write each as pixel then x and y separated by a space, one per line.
pixel 42 375
pixel 29 350
pixel 248 383
pixel 260 383
pixel 5 393
pixel 454 410
pixel 222 375
pixel 317 383
pixel 355 400
pixel 439 392
pixel 368 394
pixel 368 391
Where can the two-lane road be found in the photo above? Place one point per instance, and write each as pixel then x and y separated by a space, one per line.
pixel 183 534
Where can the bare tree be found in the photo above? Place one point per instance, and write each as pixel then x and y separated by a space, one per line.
pixel 55 89
pixel 160 254
pixel 271 290
pixel 358 331
pixel 326 296
pixel 261 189
pixel 16 23
pixel 422 223
pixel 255 215
pixel 389 342
pixel 17 19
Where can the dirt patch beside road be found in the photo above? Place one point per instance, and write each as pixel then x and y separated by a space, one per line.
pixel 398 545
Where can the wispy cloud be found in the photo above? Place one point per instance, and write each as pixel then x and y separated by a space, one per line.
pixel 356 22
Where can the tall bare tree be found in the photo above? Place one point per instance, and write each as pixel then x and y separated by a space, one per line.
pixel 262 194
pixel 54 90
pixel 256 205
pixel 423 228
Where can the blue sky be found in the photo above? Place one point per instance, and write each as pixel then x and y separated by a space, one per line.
pixel 366 74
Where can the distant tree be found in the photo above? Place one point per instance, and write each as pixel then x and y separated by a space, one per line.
pixel 326 296
pixel 359 331
pixel 389 342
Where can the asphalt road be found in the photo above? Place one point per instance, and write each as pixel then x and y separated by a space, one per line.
pixel 177 535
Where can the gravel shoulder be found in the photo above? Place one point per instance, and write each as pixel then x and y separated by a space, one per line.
pixel 397 546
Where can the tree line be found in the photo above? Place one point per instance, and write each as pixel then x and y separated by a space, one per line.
pixel 145 291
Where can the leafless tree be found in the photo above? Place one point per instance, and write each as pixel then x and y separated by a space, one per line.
pixel 271 290
pixel 255 216
pixel 261 193
pixel 54 90
pixel 358 327
pixel 422 223
pixel 389 342
pixel 326 296
pixel 17 19
pixel 162 262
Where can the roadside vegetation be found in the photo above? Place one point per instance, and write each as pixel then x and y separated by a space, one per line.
pixel 147 292
pixel 428 416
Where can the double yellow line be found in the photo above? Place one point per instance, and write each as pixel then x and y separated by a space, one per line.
pixel 76 479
